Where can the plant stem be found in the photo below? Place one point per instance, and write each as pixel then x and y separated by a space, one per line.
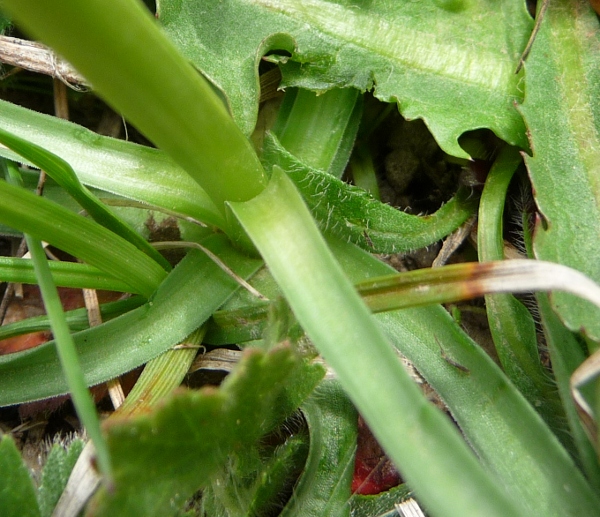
pixel 125 49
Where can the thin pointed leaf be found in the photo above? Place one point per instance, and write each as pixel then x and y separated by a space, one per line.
pixel 65 274
pixel 64 175
pixel 79 236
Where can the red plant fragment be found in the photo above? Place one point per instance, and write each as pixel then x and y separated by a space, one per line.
pixel 373 471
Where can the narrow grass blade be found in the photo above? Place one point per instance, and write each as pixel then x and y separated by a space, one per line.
pixel 319 130
pixel 80 237
pixel 187 298
pixel 566 354
pixel 65 274
pixel 64 175
pixel 511 324
pixel 414 433
pixel 76 319
pixel 65 347
pixel 473 279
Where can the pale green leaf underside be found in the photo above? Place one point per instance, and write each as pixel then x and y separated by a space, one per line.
pixel 562 111
pixel 453 68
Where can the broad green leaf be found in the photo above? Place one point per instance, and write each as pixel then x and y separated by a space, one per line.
pixel 185 300
pixel 179 446
pixel 450 63
pixel 562 114
pixel 17 493
pixel 324 487
pixel 352 214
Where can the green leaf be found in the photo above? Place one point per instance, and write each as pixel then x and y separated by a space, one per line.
pixel 137 172
pixel 320 130
pixel 187 298
pixel 566 354
pixel 17 493
pixel 56 472
pixel 413 432
pixel 350 213
pixel 64 175
pixel 252 484
pixel 324 487
pixel 138 70
pixel 65 274
pixel 503 429
pixel 511 324
pixel 79 236
pixel 562 114
pixel 177 448
pixel 453 67
pixel 77 319
pixel 381 505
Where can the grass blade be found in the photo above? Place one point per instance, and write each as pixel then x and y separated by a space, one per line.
pixel 63 174
pixel 414 433
pixel 80 237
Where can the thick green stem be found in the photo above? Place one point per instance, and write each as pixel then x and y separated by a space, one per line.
pixel 120 50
